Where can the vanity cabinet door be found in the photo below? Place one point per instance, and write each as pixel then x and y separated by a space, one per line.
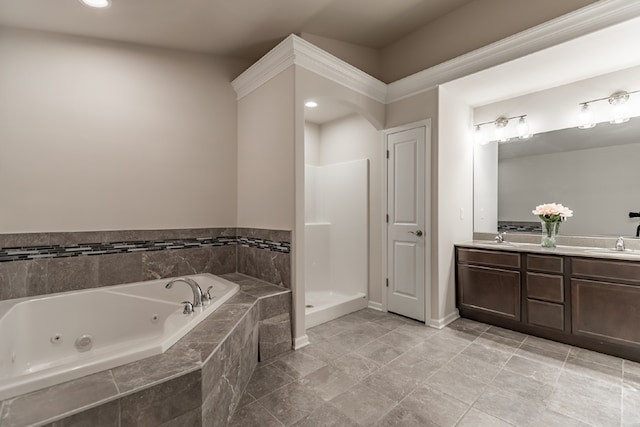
pixel 491 290
pixel 606 311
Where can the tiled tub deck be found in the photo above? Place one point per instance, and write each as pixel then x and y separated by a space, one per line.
pixel 197 382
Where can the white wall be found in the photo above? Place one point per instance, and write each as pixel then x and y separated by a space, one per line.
pixel 455 196
pixel 311 144
pixel 100 135
pixel 558 108
pixel 575 179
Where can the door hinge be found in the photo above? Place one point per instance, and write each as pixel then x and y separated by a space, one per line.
pixel 387 283
pixel 387 154
pixel 387 218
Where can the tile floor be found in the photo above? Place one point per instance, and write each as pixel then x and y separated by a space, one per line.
pixel 373 368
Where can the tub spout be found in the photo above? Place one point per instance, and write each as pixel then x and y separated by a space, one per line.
pixel 195 288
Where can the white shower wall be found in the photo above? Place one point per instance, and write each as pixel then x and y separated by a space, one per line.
pixel 336 239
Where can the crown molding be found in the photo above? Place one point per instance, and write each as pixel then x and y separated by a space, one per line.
pixel 295 50
pixel 583 21
pixel 273 63
pixel 314 59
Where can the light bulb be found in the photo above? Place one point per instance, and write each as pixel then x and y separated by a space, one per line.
pixel 523 128
pixel 499 131
pixel 311 104
pixel 478 136
pixel 585 119
pixel 96 3
pixel 619 103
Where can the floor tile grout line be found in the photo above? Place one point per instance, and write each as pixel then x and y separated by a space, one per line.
pixel 269 412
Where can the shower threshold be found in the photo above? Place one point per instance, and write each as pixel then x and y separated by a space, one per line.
pixel 326 306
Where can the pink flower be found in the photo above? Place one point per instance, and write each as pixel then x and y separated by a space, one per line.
pixel 550 210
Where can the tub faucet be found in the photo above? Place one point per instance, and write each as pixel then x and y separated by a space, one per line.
pixel 500 237
pixel 620 244
pixel 195 288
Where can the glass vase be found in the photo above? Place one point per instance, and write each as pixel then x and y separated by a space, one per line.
pixel 549 233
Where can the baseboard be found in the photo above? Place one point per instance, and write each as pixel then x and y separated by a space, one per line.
pixel 300 342
pixel 375 306
pixel 441 323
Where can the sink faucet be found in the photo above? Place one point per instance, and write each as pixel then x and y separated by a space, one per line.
pixel 620 244
pixel 500 237
pixel 195 288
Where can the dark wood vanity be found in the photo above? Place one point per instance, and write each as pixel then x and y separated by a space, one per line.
pixel 583 301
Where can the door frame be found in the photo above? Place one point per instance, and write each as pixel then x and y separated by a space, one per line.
pixel 428 226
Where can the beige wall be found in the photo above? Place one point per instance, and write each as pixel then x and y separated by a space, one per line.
pixel 266 155
pixel 418 107
pixel 98 135
pixel 364 58
pixel 465 29
pixel 354 138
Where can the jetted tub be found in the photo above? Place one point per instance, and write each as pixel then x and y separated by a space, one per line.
pixel 51 339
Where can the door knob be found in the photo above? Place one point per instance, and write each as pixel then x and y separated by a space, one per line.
pixel 417 233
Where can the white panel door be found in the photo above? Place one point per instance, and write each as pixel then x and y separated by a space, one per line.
pixel 406 237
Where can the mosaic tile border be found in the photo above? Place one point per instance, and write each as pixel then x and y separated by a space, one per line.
pixel 519 226
pixel 22 253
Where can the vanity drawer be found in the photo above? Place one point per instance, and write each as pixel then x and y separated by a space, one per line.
pixel 545 314
pixel 545 287
pixel 492 258
pixel 549 264
pixel 605 269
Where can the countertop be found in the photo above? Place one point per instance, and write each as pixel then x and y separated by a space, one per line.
pixel 577 251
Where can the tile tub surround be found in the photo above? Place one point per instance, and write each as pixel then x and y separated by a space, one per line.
pixel 198 381
pixel 271 266
pixel 469 374
pixel 42 263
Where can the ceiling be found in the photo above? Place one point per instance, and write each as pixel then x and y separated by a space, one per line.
pixel 242 28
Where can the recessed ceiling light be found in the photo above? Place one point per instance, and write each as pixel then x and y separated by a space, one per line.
pixel 96 3
pixel 311 104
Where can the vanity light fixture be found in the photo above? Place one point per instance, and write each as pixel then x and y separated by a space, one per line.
pixel 500 127
pixel 617 100
pixel 99 4
pixel 311 104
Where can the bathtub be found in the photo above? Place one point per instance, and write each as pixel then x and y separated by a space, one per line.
pixel 51 339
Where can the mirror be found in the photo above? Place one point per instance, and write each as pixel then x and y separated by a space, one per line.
pixel 595 172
